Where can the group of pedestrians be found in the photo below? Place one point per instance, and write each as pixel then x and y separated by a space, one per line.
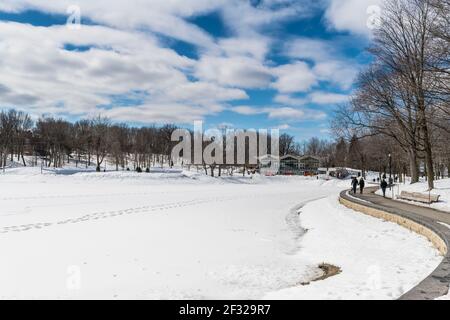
pixel 361 183
pixel 355 183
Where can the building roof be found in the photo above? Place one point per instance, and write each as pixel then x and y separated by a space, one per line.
pixel 309 157
pixel 290 156
pixel 268 156
pixel 305 157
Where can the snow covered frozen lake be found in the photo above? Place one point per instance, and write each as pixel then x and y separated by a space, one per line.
pixel 182 235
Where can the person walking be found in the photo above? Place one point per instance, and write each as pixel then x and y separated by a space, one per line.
pixel 354 184
pixel 361 185
pixel 384 186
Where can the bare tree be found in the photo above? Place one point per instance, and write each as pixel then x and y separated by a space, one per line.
pixel 404 45
pixel 100 137
pixel 287 144
pixel 341 153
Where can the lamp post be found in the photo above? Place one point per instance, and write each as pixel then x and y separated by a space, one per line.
pixel 390 171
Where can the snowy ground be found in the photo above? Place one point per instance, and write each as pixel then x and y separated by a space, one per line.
pixel 177 234
pixel 380 260
pixel 442 187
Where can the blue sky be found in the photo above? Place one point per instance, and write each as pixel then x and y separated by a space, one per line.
pixel 245 64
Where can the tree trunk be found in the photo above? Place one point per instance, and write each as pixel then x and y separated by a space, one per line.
pixel 98 162
pixel 414 168
pixel 429 163
pixel 427 144
pixel 448 169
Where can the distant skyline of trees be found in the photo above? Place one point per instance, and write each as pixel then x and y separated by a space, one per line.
pixel 89 142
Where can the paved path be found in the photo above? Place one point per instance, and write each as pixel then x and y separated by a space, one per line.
pixel 436 215
pixel 437 284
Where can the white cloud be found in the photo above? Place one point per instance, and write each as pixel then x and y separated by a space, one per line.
pixel 236 71
pixel 167 17
pixel 281 113
pixel 39 74
pixel 237 62
pixel 340 73
pixel 245 18
pixel 203 93
pixel 316 97
pixel 351 15
pixel 161 16
pixel 289 100
pixel 328 98
pixel 292 114
pixel 253 46
pixel 312 49
pixel 329 64
pixel 246 110
pixel 127 55
pixel 162 113
pixel 299 77
pixel 296 77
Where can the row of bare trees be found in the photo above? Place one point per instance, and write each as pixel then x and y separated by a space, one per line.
pixel 404 94
pixel 85 142
pixel 14 131
pixel 89 142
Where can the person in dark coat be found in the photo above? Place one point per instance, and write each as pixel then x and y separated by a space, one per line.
pixel 362 184
pixel 384 186
pixel 354 184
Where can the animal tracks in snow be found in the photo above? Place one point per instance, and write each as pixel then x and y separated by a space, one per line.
pixel 116 213
pixel 77 196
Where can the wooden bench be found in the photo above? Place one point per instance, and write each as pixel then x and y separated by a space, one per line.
pixel 419 197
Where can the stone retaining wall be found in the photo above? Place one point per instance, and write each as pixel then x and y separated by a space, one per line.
pixel 437 241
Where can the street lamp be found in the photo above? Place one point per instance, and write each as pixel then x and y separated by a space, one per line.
pixel 390 170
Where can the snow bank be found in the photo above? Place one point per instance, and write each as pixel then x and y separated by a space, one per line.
pixel 379 260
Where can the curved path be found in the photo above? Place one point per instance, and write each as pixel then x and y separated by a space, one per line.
pixel 433 224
